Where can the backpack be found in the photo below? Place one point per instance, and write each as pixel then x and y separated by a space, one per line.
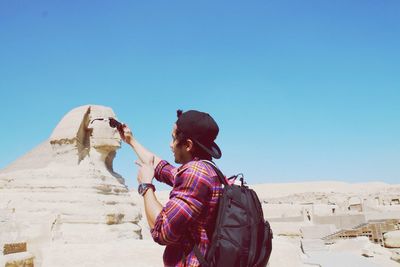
pixel 241 237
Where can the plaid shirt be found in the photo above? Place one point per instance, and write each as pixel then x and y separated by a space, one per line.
pixel 190 212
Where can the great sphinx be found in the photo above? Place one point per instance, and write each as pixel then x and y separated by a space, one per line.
pixel 66 188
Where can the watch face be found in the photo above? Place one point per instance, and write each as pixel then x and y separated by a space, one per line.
pixel 142 187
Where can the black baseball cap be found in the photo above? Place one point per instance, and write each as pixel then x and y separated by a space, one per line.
pixel 201 128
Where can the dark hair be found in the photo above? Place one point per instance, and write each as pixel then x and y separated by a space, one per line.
pixel 181 139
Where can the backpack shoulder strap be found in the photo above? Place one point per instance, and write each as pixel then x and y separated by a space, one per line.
pixel 223 181
pixel 200 257
pixel 218 171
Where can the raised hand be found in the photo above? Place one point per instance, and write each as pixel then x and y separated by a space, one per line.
pixel 126 134
pixel 146 171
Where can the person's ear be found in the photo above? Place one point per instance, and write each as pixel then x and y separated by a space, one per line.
pixel 189 145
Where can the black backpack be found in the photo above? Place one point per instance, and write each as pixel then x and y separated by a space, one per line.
pixel 241 236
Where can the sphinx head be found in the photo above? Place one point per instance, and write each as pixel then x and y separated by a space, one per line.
pixel 79 137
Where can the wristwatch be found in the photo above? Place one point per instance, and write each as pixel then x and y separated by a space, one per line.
pixel 142 189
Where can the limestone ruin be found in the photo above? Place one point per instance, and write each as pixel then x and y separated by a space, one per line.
pixel 65 190
pixel 337 221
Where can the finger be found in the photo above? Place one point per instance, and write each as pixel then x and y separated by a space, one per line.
pixel 125 128
pixel 121 133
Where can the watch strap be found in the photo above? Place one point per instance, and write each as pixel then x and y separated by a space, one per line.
pixel 143 187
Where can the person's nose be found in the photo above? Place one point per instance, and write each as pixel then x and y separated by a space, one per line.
pixel 171 145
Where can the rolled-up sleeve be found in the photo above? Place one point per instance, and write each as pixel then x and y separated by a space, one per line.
pixel 192 189
pixel 165 172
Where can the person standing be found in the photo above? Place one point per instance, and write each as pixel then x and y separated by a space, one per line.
pixel 188 218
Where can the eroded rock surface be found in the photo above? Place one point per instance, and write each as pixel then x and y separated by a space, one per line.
pixel 66 189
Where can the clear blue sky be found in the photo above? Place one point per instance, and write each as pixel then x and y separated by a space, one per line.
pixel 302 90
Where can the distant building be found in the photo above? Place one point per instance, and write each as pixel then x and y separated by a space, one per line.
pixel 395 201
pixel 374 230
pixel 355 204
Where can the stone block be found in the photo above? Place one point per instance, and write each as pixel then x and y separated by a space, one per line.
pixel 392 239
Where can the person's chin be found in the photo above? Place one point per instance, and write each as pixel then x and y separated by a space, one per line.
pixel 177 160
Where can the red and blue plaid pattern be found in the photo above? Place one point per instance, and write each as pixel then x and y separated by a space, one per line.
pixel 190 212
